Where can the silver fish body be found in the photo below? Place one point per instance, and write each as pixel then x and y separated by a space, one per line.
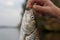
pixel 34 36
pixel 28 28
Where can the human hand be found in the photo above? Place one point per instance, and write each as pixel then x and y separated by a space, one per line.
pixel 30 3
pixel 44 6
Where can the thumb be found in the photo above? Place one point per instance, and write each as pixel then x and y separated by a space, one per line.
pixel 42 8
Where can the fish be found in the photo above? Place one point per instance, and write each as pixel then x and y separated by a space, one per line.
pixel 28 30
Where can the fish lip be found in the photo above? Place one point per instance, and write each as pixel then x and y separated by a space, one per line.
pixel 28 9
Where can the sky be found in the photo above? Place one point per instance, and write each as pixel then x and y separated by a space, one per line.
pixel 10 12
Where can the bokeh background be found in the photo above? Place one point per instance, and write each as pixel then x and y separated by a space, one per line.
pixel 11 13
pixel 10 18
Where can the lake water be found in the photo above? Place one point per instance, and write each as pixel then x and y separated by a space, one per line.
pixel 9 33
pixel 13 34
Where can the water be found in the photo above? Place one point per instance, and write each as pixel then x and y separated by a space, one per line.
pixel 9 34
pixel 13 34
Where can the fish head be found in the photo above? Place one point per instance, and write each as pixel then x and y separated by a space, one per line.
pixel 29 21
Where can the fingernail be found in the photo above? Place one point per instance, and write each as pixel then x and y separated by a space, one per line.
pixel 34 6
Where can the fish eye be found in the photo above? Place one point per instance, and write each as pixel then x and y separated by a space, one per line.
pixel 32 17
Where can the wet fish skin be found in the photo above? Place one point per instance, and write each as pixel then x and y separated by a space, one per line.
pixel 34 36
pixel 28 26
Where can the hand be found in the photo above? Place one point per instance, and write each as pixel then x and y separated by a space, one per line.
pixel 30 3
pixel 44 6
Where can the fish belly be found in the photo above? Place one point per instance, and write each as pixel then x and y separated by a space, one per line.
pixel 34 36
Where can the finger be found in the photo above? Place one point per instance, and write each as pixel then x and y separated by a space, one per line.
pixel 42 9
pixel 30 3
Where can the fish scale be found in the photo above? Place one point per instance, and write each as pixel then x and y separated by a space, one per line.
pixel 28 29
pixel 34 36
